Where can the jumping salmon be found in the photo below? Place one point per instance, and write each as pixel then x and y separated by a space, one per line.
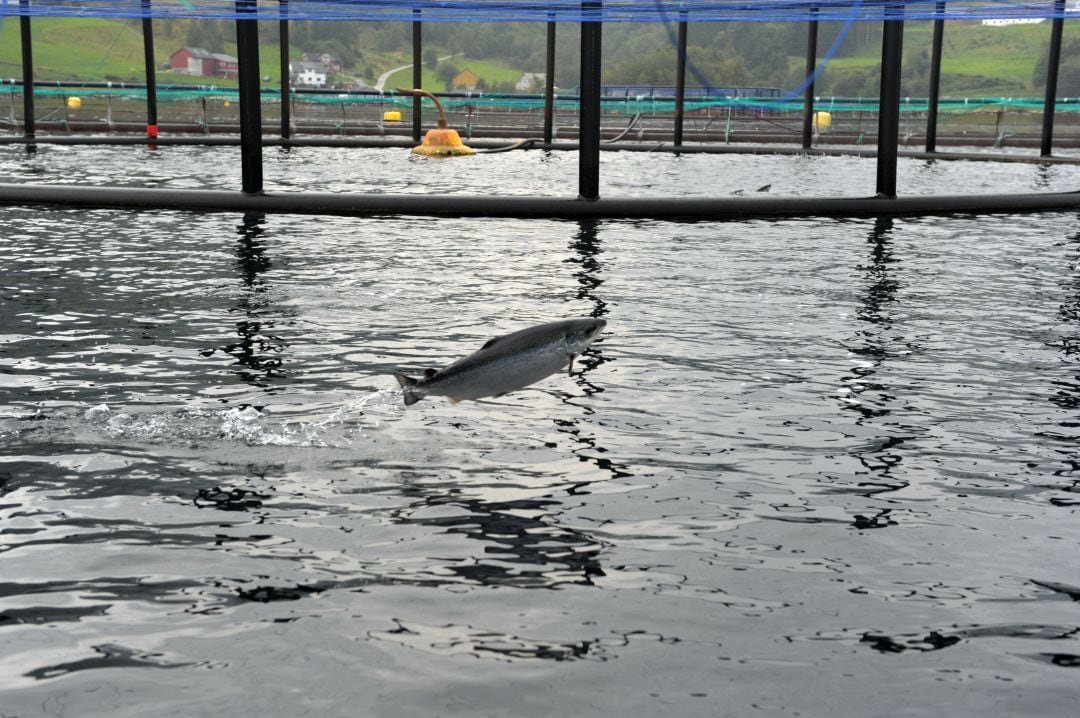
pixel 506 363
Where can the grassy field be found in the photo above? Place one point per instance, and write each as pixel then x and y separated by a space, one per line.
pixel 978 61
pixel 491 73
pixel 94 50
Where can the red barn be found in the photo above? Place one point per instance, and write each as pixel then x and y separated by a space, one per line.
pixel 203 63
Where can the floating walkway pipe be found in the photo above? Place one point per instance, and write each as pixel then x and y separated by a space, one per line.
pixel 589 112
pixel 151 75
pixel 935 79
pixel 283 41
pixel 417 71
pixel 680 84
pixel 247 47
pixel 689 208
pixel 889 103
pixel 808 94
pixel 28 72
pixel 1052 64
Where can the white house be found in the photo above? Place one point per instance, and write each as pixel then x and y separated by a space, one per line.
pixel 312 74
pixel 531 82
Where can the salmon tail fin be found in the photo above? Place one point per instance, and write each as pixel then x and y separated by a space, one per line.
pixel 409 388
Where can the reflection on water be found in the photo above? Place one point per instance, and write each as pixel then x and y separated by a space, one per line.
pixel 867 391
pixel 587 250
pixel 700 501
pixel 523 545
pixel 1067 389
pixel 258 351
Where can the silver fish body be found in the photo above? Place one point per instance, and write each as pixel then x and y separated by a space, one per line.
pixel 506 363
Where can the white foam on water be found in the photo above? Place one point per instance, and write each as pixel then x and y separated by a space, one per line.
pixel 345 426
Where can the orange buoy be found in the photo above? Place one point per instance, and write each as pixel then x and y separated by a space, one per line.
pixel 441 141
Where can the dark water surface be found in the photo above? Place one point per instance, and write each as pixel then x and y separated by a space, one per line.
pixel 817 468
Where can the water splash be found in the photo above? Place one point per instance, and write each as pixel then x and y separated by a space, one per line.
pixel 248 425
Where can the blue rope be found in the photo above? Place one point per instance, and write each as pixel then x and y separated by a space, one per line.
pixel 819 67
pixel 560 10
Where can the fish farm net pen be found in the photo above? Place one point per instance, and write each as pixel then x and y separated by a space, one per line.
pixel 594 117
pixel 975 121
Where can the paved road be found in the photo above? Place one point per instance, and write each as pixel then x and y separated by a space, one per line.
pixel 386 75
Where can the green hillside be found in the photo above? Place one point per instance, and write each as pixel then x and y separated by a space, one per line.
pixel 95 50
pixel 978 60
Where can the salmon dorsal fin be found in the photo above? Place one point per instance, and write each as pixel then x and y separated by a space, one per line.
pixel 491 342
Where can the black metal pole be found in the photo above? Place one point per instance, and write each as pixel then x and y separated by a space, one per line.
pixel 151 74
pixel 935 79
pixel 549 85
pixel 1052 64
pixel 680 84
pixel 808 94
pixel 417 78
pixel 28 71
pixel 247 47
pixel 589 134
pixel 889 102
pixel 283 41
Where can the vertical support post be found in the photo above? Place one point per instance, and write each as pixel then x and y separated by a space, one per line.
pixel 808 93
pixel 935 78
pixel 283 41
pixel 417 77
pixel 1053 62
pixel 247 47
pixel 29 131
pixel 889 101
pixel 680 84
pixel 549 85
pixel 151 71
pixel 589 111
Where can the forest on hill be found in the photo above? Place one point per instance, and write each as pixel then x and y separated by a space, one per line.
pixel 978 60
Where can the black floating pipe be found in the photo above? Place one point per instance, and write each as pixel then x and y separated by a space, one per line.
pixel 1053 62
pixel 28 72
pixel 889 113
pixel 247 47
pixel 680 84
pixel 549 85
pixel 330 203
pixel 808 94
pixel 151 74
pixel 283 41
pixel 417 74
pixel 935 78
pixel 589 112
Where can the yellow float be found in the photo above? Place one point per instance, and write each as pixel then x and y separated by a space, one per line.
pixel 74 103
pixel 442 141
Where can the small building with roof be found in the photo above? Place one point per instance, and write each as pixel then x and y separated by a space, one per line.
pixel 309 74
pixel 203 63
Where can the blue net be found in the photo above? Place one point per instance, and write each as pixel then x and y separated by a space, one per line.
pixel 547 10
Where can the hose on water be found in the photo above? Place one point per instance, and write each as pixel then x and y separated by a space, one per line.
pixel 633 121
pixel 519 145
